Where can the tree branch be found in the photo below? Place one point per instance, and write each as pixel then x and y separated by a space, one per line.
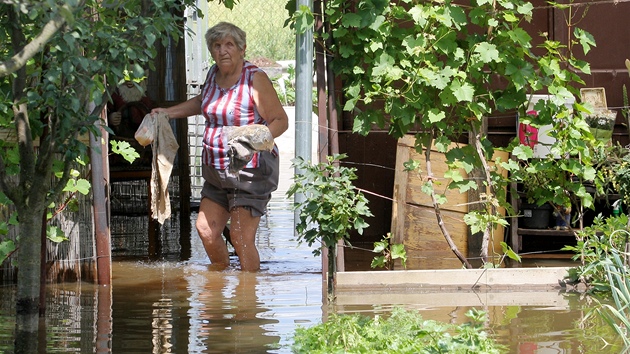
pixel 28 51
pixel 438 213
pixel 20 113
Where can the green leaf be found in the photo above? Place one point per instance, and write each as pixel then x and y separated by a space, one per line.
pixel 487 52
pixel 510 17
pixel 454 174
pixel 380 246
pixel 304 19
pixel 378 262
pixel 523 152
pixel 581 65
pixel 351 19
pixel 6 248
pixel 586 39
pixel 525 8
pixel 398 251
pixel 435 115
pixel 411 165
pixel 463 92
pixel 384 65
pixel 55 234
pixel 124 149
pixel 83 186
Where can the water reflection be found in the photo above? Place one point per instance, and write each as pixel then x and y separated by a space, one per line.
pixel 226 315
pixel 170 307
pixel 551 322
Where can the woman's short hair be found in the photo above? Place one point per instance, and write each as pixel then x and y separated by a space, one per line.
pixel 224 29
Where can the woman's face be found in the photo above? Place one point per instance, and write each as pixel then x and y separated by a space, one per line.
pixel 226 53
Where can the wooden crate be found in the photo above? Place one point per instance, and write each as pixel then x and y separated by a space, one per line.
pixel 414 222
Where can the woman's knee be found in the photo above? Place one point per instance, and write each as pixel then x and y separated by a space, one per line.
pixel 240 241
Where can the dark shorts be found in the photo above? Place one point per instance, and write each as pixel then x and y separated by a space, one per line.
pixel 251 189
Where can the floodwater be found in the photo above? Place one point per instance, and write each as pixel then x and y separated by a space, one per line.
pixel 167 306
pixel 183 307
pixel 171 307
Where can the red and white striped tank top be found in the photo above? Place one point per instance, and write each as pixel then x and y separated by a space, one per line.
pixel 227 107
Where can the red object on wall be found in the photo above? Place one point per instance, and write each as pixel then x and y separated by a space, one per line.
pixel 527 134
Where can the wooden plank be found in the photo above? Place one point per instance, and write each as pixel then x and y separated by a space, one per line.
pixel 423 233
pixel 443 299
pixel 399 196
pixel 416 179
pixel 414 222
pixel 454 279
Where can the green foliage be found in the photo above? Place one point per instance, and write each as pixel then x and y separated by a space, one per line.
pixel 404 331
pixel 55 234
pixel 441 68
pixel 509 252
pixel 389 253
pixel 286 87
pixel 332 206
pixel 81 64
pixel 612 163
pixel 603 251
pixel 124 149
pixel 617 314
pixel 595 246
pixel 51 99
pixel 7 247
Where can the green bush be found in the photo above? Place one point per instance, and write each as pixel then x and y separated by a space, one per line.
pixel 403 332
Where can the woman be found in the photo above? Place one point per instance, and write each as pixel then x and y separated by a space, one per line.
pixel 235 93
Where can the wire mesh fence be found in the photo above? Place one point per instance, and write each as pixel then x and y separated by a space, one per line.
pixel 263 21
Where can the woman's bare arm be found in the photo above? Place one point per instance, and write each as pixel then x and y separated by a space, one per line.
pixel 268 104
pixel 185 109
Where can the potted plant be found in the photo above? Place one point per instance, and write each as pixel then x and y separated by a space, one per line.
pixel 601 124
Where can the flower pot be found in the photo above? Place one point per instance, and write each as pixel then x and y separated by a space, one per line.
pixel 535 216
pixel 603 135
pixel 602 124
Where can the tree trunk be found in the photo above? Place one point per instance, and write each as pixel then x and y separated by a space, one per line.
pixel 332 272
pixel 27 312
pixel 477 242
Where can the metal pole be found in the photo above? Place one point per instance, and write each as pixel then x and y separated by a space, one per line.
pixel 303 97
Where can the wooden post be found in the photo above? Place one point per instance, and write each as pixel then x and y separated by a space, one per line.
pixel 100 186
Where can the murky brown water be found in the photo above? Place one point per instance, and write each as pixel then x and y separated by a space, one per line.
pixel 182 307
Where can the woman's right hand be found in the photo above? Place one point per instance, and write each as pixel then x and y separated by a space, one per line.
pixel 159 110
pixel 182 110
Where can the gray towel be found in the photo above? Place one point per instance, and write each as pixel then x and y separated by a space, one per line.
pixel 164 147
pixel 244 142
